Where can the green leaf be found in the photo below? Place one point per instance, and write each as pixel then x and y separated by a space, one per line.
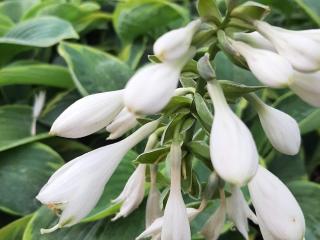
pixel 14 230
pixel 125 229
pixel 40 74
pixel 153 156
pixel 312 8
pixel 5 24
pixel 39 32
pixel 93 70
pixel 23 171
pixel 200 149
pixel 308 196
pixel 15 126
pixel 141 17
pixel 14 9
pixel 113 188
pixel 133 52
pixel 203 112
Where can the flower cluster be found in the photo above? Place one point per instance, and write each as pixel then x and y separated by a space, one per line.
pixel 277 57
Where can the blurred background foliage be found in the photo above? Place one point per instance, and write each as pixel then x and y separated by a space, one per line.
pixel 73 48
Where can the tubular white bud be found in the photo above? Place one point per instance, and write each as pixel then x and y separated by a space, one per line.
pixel 174 44
pixel 255 39
pixel 152 87
pixel 233 151
pixel 281 129
pixel 73 190
pixel 122 123
pixel 88 115
pixel 279 215
pixel 270 68
pixel 301 48
pixel 307 87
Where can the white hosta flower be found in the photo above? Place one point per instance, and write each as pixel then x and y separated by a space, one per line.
pixel 152 87
pixel 233 151
pixel 238 211
pixel 301 48
pixel 132 194
pixel 269 68
pixel 214 226
pixel 76 187
pixel 307 87
pixel 281 129
pixel 174 44
pixel 122 123
pixel 255 39
pixel 155 228
pixel 175 213
pixel 88 115
pixel 39 101
pixel 279 215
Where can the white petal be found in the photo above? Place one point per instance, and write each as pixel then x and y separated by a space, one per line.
pixel 270 68
pixel 277 210
pixel 301 50
pixel 174 44
pixel 88 115
pixel 232 149
pixel 281 129
pixel 307 87
pixel 255 39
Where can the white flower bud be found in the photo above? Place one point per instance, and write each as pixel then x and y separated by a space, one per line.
pixel 73 190
pixel 279 215
pixel 174 44
pixel 175 213
pixel 238 211
pixel 88 115
pixel 307 87
pixel 281 129
pixel 152 87
pixel 233 151
pixel 301 48
pixel 255 39
pixel 155 228
pixel 39 101
pixel 122 123
pixel 269 68
pixel 132 194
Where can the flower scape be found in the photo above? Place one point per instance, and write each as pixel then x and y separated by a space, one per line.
pixel 176 102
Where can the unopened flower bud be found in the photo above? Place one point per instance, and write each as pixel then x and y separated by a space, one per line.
pixel 279 215
pixel 281 129
pixel 176 43
pixel 300 48
pixel 233 151
pixel 270 68
pixel 88 115
pixel 255 39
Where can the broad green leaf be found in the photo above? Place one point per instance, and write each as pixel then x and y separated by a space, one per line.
pixel 141 17
pixel 312 8
pixel 40 74
pixel 113 188
pixel 39 32
pixel 209 11
pixel 5 24
pixel 93 70
pixel 125 229
pixel 15 126
pixel 14 230
pixel 308 196
pixel 14 9
pixel 79 15
pixel 23 171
